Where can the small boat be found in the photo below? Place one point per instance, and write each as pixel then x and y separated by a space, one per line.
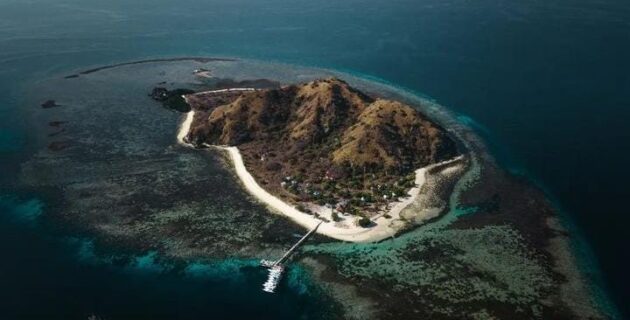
pixel 275 274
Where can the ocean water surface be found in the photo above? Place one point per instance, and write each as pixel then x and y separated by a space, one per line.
pixel 546 83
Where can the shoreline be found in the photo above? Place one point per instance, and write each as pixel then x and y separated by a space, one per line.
pixel 184 127
pixel 384 227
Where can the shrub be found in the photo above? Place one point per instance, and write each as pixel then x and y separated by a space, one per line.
pixel 365 222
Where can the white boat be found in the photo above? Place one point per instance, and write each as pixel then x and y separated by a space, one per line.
pixel 275 274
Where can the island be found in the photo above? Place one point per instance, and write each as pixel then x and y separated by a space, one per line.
pixel 419 220
pixel 325 151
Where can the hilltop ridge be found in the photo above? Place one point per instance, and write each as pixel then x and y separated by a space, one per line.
pixel 356 129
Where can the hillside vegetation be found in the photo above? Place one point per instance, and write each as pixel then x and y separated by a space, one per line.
pixel 324 140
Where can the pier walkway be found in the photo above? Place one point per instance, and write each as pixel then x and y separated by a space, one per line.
pixel 276 268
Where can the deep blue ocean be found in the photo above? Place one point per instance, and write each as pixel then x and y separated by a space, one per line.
pixel 545 82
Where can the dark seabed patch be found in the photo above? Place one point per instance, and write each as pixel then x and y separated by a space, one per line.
pixel 50 104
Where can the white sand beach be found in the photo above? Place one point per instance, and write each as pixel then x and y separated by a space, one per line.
pixel 383 228
pixel 185 127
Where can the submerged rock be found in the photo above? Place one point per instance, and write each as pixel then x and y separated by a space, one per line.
pixel 50 104
pixel 171 99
